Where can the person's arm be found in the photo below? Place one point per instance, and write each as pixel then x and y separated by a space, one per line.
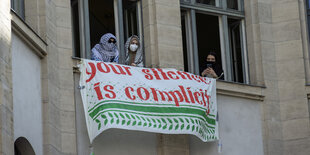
pixel 95 55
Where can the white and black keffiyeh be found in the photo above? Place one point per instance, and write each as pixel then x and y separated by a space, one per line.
pixel 139 55
pixel 105 51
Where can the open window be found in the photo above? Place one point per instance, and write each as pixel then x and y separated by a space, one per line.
pixel 215 26
pixel 92 18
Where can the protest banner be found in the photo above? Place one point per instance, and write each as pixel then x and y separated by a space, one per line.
pixel 147 99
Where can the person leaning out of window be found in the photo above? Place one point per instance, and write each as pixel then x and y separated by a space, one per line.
pixel 106 50
pixel 211 68
pixel 134 54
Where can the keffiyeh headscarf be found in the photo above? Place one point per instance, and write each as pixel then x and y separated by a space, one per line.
pixel 105 51
pixel 139 54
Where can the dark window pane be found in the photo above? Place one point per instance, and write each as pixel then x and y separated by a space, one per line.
pixel 101 19
pixel 75 28
pixel 232 4
pixel 236 51
pixel 208 2
pixel 130 18
pixel 208 38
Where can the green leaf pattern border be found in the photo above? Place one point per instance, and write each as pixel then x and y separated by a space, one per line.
pixel 172 124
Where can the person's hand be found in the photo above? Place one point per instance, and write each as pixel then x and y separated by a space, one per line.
pixel 205 72
pixel 133 64
pixel 209 71
pixel 212 72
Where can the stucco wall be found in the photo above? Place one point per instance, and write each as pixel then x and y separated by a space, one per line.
pixel 240 129
pixel 27 108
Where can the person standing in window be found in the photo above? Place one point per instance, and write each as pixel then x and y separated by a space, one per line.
pixel 211 68
pixel 106 50
pixel 134 54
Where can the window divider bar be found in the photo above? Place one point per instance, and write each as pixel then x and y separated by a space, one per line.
pixel 87 30
pixel 84 29
pixel 121 32
pixel 245 65
pixel 224 4
pixel 214 10
pixel 222 40
pixel 240 5
pixel 140 27
pixel 189 42
pixel 195 46
pixel 226 50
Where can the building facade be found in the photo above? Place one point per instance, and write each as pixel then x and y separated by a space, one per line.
pixel 262 45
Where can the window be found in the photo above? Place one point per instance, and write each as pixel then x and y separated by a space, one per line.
pixel 91 19
pixel 19 7
pixel 215 26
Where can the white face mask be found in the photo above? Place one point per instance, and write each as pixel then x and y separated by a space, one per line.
pixel 133 47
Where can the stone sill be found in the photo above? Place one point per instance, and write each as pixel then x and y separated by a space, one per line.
pixel 240 90
pixel 31 38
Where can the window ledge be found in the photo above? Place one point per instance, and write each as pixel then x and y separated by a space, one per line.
pixel 240 90
pixel 28 35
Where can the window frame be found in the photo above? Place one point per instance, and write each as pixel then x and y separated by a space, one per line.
pixel 18 6
pixel 223 13
pixel 84 28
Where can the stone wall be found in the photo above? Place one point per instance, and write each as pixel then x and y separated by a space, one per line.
pixel 59 119
pixel 6 100
pixel 276 46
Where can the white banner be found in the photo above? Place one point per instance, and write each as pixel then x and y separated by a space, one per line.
pixel 147 99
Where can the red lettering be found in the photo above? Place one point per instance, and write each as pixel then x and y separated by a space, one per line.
pixel 208 98
pixel 196 78
pixel 181 73
pixel 203 79
pixel 170 73
pixel 127 70
pixel 93 71
pixel 163 74
pixel 99 66
pixel 162 94
pixel 156 74
pixel 197 94
pixel 109 88
pixel 133 97
pixel 120 69
pixel 148 75
pixel 176 101
pixel 146 92
pixel 154 94
pixel 184 94
pixel 190 94
pixel 203 99
pixel 98 91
